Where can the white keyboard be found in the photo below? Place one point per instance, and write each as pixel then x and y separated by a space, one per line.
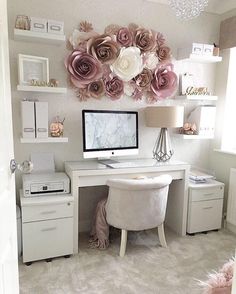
pixel 128 164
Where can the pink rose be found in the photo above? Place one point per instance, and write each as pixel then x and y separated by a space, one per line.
pixel 96 89
pixel 164 82
pixel 114 88
pixel 104 48
pixel 124 37
pixel 145 40
pixel 163 53
pixel 160 39
pixel 83 68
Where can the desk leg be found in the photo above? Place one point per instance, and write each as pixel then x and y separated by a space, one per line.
pixel 177 205
pixel 75 193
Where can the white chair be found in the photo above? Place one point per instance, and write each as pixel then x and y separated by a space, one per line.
pixel 137 204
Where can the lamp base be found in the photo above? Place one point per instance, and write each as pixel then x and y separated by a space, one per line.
pixel 162 150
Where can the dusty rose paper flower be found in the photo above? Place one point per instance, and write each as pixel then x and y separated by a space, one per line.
pixel 83 68
pixel 96 89
pixel 163 53
pixel 160 39
pixel 129 88
pixel 164 82
pixel 128 64
pixel 114 88
pixel 77 37
pixel 104 48
pixel 143 80
pixel 145 40
pixel 124 37
pixel 85 26
pixel 112 29
pixel 137 95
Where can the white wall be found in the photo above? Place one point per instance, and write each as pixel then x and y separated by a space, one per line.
pixel 204 29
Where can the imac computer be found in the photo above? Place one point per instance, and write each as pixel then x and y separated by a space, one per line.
pixel 108 133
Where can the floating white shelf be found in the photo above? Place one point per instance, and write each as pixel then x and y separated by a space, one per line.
pixel 56 90
pixel 197 97
pixel 193 137
pixel 186 55
pixel 30 36
pixel 44 140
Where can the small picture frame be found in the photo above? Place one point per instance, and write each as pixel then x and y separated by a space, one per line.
pixel 32 68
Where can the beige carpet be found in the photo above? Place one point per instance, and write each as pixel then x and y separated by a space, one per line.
pixel 146 268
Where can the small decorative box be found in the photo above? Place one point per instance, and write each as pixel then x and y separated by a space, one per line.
pixel 55 27
pixel 38 24
pixel 208 49
pixel 197 48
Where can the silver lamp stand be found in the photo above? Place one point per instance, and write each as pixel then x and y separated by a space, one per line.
pixel 162 150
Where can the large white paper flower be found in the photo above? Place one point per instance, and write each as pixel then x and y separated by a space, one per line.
pixel 128 64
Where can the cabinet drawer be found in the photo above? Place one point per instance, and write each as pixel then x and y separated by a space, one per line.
pixel 204 215
pixel 207 193
pixel 47 211
pixel 47 239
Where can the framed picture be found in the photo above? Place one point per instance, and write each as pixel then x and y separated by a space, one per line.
pixel 32 68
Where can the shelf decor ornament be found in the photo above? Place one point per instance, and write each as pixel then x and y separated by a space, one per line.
pixel 131 61
pixel 57 127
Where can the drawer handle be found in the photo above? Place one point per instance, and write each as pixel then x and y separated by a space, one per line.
pixel 49 212
pixel 208 207
pixel 49 229
pixel 208 194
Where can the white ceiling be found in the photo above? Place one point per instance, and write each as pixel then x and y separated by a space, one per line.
pixel 214 6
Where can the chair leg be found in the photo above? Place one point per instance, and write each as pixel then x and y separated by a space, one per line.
pixel 123 242
pixel 161 235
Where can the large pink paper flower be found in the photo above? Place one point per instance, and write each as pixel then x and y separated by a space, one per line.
pixel 143 80
pixel 83 68
pixel 96 89
pixel 145 40
pixel 114 88
pixel 164 82
pixel 104 48
pixel 124 37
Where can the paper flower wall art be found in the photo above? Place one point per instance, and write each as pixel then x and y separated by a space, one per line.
pixel 132 61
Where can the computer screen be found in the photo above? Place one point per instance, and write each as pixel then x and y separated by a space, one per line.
pixel 109 133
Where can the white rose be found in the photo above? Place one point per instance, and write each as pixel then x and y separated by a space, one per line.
pixel 151 61
pixel 128 64
pixel 78 37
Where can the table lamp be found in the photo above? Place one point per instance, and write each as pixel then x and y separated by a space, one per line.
pixel 164 117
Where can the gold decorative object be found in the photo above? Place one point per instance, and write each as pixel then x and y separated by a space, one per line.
pixel 22 22
pixel 57 127
pixel 197 91
pixel 188 129
pixel 51 83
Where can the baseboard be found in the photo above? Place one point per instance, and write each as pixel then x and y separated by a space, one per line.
pixel 231 228
pixel 85 226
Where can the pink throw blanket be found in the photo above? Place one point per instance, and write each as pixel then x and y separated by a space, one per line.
pixel 99 235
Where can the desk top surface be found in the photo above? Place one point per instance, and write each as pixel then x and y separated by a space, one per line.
pixel 147 163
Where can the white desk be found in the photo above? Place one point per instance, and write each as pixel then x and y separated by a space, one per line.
pixel 91 173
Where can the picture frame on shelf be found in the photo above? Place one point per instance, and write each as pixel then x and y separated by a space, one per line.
pixel 32 68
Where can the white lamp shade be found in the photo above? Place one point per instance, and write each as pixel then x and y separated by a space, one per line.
pixel 164 116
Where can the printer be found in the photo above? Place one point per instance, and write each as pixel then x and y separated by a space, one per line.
pixel 38 184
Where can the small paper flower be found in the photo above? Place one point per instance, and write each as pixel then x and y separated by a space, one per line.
pixel 79 37
pixel 145 40
pixel 114 88
pixel 104 48
pixel 85 26
pixel 96 89
pixel 151 60
pixel 160 40
pixel 163 53
pixel 112 29
pixel 83 68
pixel 143 80
pixel 128 64
pixel 124 37
pixel 164 82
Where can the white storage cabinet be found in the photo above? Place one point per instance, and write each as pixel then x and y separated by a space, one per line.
pixel 205 206
pixel 47 226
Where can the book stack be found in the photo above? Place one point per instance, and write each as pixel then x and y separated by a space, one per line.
pixel 199 177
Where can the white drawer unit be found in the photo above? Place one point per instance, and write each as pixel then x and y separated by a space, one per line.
pixel 205 206
pixel 47 226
